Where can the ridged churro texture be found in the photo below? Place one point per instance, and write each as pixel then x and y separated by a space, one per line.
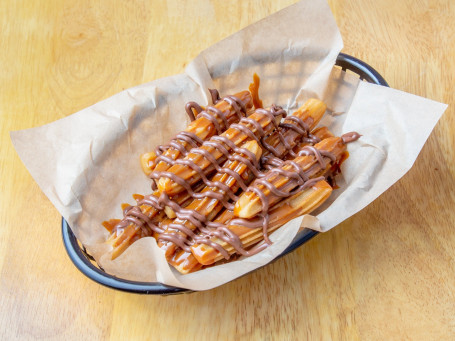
pixel 250 203
pixel 310 113
pixel 234 135
pixel 302 203
pixel 203 128
pixel 208 207
pixel 202 190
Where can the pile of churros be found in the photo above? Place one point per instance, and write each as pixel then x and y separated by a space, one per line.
pixel 237 173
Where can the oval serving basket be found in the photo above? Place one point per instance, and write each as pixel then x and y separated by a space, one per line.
pixel 87 265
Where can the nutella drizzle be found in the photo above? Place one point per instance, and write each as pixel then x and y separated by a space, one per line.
pixel 212 114
pixel 215 96
pixel 271 162
pixel 189 109
pixel 350 137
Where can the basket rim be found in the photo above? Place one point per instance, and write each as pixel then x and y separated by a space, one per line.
pixel 81 259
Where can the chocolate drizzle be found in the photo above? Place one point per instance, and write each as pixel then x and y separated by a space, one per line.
pixel 134 215
pixel 299 176
pixel 215 116
pixel 189 107
pixel 223 145
pixel 302 130
pixel 184 136
pixel 350 137
pixel 215 96
pixel 200 229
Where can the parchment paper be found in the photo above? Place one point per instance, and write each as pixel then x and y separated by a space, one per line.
pixel 88 163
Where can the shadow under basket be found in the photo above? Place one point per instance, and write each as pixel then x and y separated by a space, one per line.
pixel 87 265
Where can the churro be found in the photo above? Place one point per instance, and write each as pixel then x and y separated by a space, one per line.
pixel 236 174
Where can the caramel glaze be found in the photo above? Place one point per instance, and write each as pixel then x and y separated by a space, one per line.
pixel 136 216
pixel 208 229
pixel 208 207
pixel 223 192
pixel 222 231
pixel 254 90
pixel 272 157
pixel 212 114
pixel 298 174
pixel 192 107
pixel 223 145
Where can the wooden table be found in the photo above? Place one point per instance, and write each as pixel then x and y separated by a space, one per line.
pixel 390 270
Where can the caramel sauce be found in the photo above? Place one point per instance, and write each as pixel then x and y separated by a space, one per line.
pixel 263 171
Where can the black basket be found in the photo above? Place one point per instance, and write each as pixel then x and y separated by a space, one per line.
pixel 87 265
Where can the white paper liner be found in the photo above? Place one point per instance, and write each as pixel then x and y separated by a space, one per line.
pixel 88 163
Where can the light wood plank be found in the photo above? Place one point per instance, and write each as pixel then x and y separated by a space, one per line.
pixel 389 273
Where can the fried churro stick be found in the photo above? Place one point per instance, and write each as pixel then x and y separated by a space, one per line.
pixel 148 162
pixel 301 203
pixel 213 120
pixel 279 181
pixel 295 128
pixel 202 161
pixel 322 133
pixel 124 232
pixel 127 236
pixel 237 173
pixel 317 134
pixel 310 113
pixel 184 261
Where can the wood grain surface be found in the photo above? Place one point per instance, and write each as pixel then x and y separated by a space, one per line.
pixel 389 272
